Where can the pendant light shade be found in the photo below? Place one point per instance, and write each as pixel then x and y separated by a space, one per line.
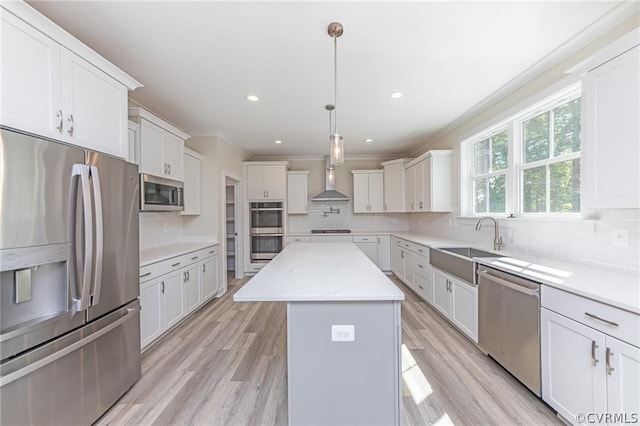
pixel 336 141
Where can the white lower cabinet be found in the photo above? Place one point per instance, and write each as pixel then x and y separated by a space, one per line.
pixel 584 370
pixel 457 301
pixel 368 244
pixel 173 288
pixel 384 252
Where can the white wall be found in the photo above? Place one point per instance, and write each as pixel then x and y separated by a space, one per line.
pixel 587 241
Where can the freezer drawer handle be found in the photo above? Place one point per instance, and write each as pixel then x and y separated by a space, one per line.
pixel 595 317
pixel 525 290
pixel 16 375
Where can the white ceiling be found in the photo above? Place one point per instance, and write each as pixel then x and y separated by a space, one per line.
pixel 198 60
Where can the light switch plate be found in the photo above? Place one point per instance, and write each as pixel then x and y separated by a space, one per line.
pixel 343 333
pixel 620 237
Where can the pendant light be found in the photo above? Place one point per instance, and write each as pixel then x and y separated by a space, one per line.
pixel 336 142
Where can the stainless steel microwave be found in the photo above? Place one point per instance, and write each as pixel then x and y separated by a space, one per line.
pixel 160 195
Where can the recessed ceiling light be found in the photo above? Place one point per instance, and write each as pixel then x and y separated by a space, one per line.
pixel 368 140
pixel 395 95
pixel 277 142
pixel 252 98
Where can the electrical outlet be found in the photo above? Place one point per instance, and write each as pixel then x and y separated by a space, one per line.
pixel 620 237
pixel 343 333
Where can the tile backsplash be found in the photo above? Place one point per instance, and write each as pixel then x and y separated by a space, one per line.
pixel 346 219
pixel 159 229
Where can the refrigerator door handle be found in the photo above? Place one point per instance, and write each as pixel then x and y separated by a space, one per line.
pixel 83 171
pixel 97 204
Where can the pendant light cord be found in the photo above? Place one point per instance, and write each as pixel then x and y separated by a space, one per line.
pixel 335 83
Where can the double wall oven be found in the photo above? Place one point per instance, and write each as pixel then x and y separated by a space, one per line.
pixel 266 229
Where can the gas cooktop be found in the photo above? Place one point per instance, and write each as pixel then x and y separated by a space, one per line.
pixel 331 231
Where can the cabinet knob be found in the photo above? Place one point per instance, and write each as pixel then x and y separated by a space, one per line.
pixel 70 131
pixel 59 115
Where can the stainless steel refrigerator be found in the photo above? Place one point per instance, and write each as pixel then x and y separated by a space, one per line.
pixel 69 263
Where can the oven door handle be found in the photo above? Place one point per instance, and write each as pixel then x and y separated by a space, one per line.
pixel 513 286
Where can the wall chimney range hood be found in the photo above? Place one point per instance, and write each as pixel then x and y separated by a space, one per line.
pixel 330 193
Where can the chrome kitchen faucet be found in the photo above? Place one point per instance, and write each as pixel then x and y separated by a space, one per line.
pixel 497 239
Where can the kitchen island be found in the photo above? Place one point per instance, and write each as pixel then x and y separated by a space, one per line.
pixel 343 333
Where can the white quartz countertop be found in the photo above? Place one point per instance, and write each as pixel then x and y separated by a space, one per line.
pixel 428 240
pixel 356 233
pixel 308 272
pixel 158 254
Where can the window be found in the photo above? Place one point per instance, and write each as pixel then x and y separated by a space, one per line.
pixel 529 163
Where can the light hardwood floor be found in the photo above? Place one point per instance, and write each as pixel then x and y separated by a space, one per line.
pixel 226 365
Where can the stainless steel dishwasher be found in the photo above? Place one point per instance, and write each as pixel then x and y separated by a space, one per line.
pixel 509 323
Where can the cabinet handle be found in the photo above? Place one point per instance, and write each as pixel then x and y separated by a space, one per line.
pixel 421 204
pixel 420 250
pixel 194 258
pixel 212 251
pixel 169 167
pixel 164 168
pixel 70 131
pixel 608 361
pixel 184 277
pixel 401 253
pixel 145 275
pixel 420 266
pixel 421 288
pixel 411 206
pixel 59 115
pixel 595 317
pixel 594 361
pixel 162 287
pixel 175 264
pixel 204 268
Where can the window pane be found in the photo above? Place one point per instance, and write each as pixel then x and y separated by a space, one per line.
pixel 565 186
pixel 497 194
pixel 481 157
pixel 534 188
pixel 499 151
pixel 536 138
pixel 480 195
pixel 566 130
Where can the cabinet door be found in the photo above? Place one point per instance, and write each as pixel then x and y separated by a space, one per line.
pixel 191 185
pixel 408 268
pixel 395 260
pixel 442 293
pixel 151 157
pixel 376 193
pixel 255 183
pixel 571 383
pixel 464 311
pixel 190 288
pixel 151 314
pixel 611 150
pixel 370 250
pixel 394 188
pixel 209 278
pixel 173 306
pixel 420 185
pixel 360 193
pixel 275 178
pixel 297 194
pixel 94 105
pixel 427 182
pixel 384 252
pixel 623 377
pixel 410 177
pixel 134 144
pixel 30 79
pixel 173 155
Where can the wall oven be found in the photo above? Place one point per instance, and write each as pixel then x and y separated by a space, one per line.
pixel 267 230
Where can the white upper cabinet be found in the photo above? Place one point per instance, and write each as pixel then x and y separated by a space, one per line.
pixel 192 186
pixel 394 185
pixel 54 86
pixel 161 145
pixel 368 191
pixel 611 138
pixel 298 192
pixel 428 182
pixel 266 180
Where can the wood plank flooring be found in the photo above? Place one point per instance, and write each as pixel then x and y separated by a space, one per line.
pixel 226 365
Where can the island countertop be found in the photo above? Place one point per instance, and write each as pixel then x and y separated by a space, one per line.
pixel 311 272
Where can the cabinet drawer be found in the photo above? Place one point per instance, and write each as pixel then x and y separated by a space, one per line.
pixel 178 262
pixel 397 241
pixel 300 239
pixel 209 251
pixel 149 272
pixel 422 266
pixel 365 239
pixel 610 320
pixel 422 251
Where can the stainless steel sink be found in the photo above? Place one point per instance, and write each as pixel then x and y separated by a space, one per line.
pixel 458 261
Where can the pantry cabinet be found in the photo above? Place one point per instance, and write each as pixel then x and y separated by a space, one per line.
pixel 266 180
pixel 161 146
pixel 368 191
pixel 611 107
pixel 49 90
pixel 394 185
pixel 298 192
pixel 590 354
